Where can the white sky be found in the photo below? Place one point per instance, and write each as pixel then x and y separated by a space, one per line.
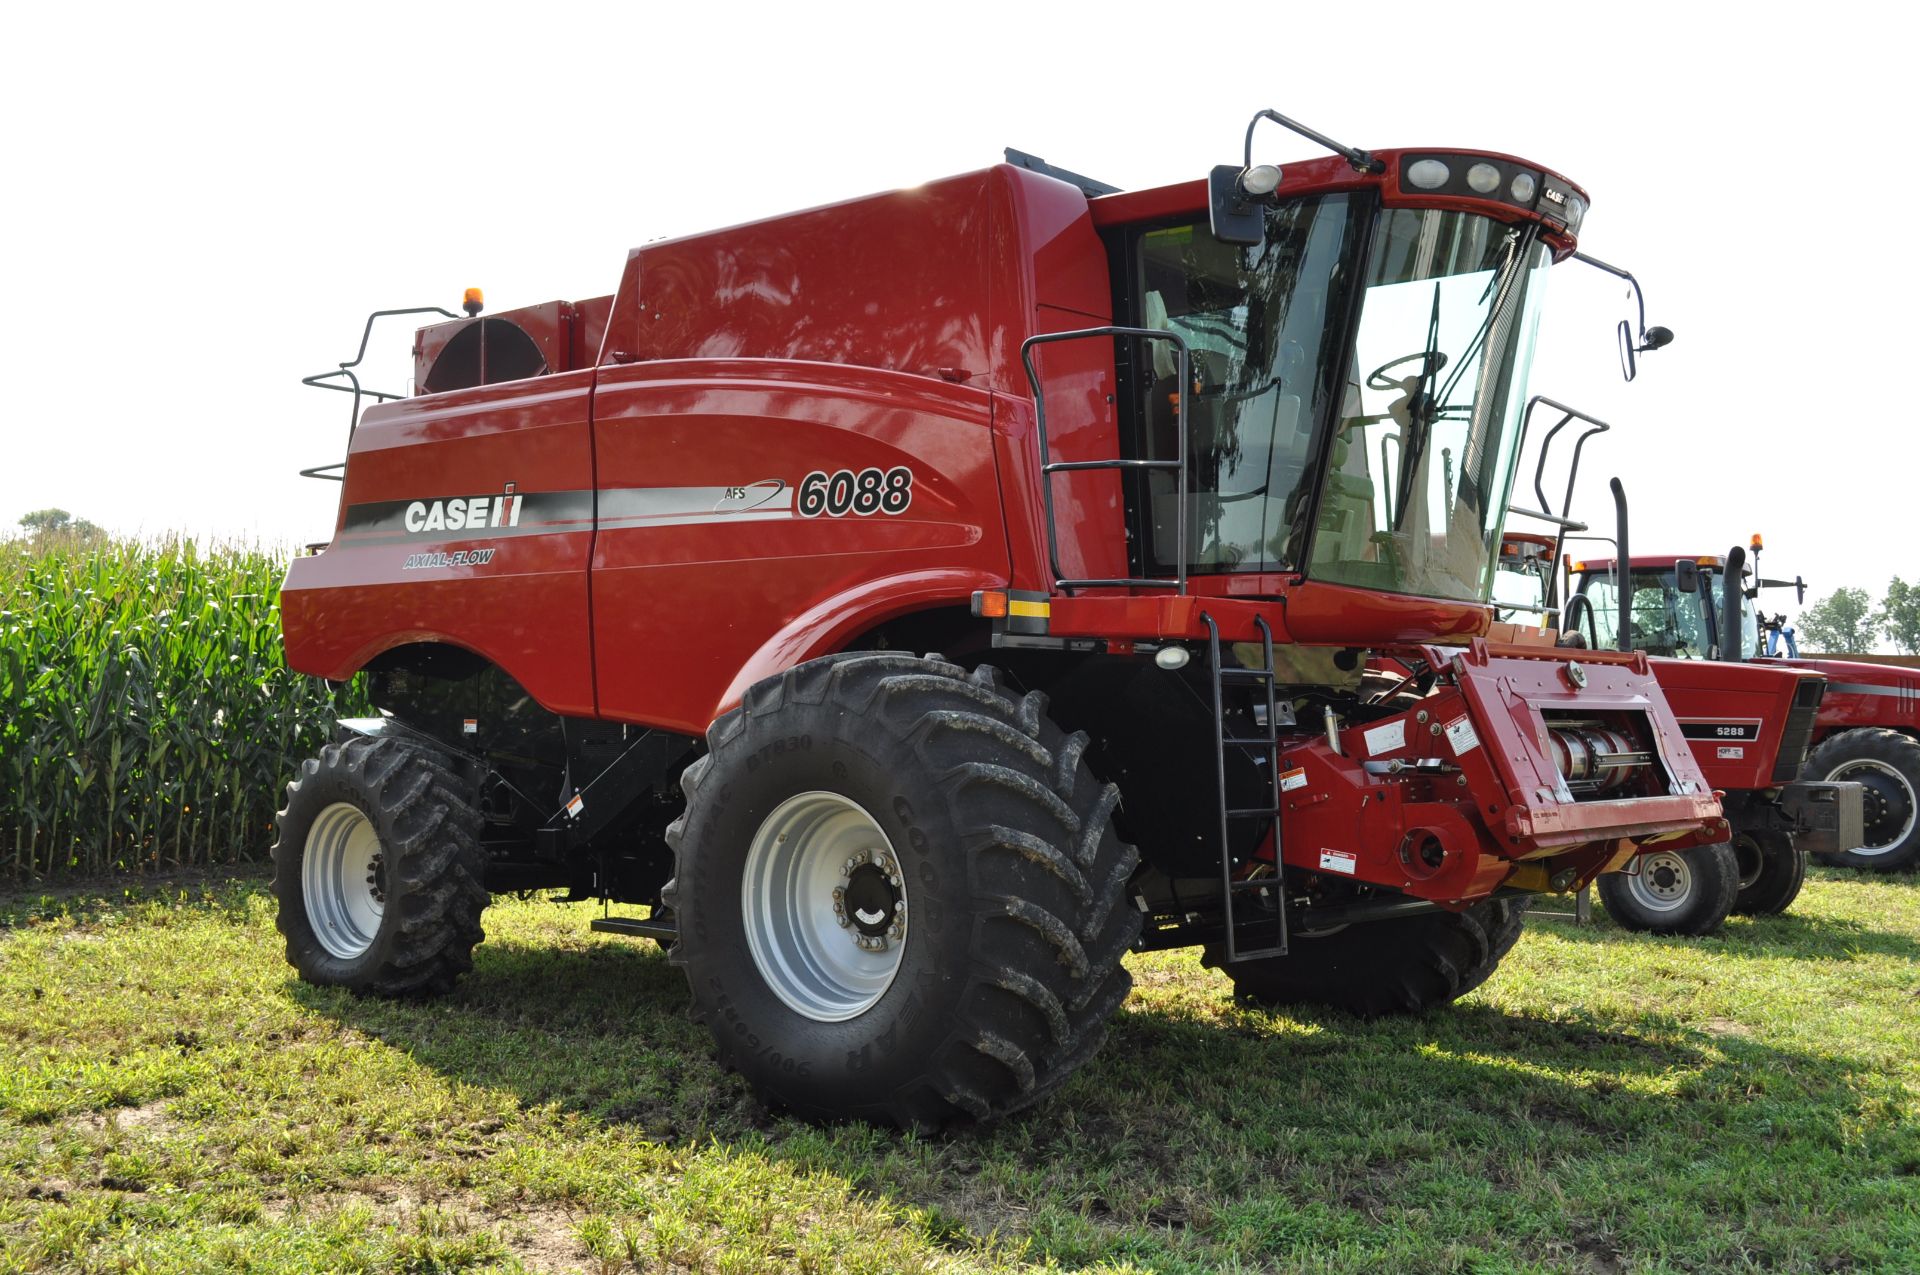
pixel 203 204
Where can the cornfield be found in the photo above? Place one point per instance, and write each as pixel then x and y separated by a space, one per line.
pixel 147 718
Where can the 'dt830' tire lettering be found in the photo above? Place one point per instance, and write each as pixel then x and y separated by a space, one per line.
pixel 862 492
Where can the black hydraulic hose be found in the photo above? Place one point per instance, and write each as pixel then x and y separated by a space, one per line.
pixel 1622 562
pixel 1732 633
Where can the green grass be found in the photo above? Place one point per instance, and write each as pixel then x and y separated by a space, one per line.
pixel 170 1100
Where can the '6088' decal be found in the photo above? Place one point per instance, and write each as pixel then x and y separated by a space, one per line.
pixel 862 492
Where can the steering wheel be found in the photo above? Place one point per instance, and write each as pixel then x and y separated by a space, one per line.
pixel 1379 380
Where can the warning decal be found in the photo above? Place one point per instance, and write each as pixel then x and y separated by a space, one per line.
pixel 1384 739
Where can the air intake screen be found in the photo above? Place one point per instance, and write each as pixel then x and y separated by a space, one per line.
pixel 485 352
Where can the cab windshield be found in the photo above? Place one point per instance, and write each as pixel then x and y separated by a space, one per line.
pixel 1665 621
pixel 1417 445
pixel 1424 446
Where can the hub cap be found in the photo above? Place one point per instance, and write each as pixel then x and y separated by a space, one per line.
pixel 1663 882
pixel 343 878
pixel 825 906
pixel 1888 803
pixel 1747 852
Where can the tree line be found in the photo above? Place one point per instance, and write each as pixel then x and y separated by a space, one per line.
pixel 1851 622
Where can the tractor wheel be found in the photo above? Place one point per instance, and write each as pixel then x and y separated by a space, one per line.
pixel 378 870
pixel 1887 763
pixel 1772 869
pixel 1407 965
pixel 899 893
pixel 1675 891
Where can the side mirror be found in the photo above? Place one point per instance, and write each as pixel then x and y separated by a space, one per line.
pixel 1631 347
pixel 1686 575
pixel 1800 590
pixel 1234 215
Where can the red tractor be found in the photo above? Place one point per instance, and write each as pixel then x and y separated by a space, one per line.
pixel 1867 730
pixel 646 587
pixel 1749 728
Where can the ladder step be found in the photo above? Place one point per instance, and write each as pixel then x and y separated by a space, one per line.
pixel 1258 953
pixel 636 927
pixel 1251 741
pixel 1265 812
pixel 1246 674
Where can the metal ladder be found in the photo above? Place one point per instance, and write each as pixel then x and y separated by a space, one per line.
pixel 1268 740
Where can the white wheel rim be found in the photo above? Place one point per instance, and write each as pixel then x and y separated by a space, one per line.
pixel 1871 766
pixel 825 906
pixel 1663 883
pixel 342 878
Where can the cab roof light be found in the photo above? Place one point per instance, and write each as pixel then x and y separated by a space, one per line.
pixel 473 302
pixel 1757 544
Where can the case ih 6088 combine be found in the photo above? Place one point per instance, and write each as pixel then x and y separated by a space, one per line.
pixel 649 586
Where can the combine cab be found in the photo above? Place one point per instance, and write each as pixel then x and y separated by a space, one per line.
pixel 906 608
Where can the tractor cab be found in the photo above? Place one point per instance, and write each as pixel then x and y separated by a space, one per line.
pixel 1676 608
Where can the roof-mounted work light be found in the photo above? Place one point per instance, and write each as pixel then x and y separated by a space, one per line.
pixel 473 302
pixel 1235 195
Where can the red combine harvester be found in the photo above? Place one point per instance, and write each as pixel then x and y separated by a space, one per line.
pixel 645 586
pixel 1867 730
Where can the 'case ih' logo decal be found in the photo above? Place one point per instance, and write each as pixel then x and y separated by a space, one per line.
pixel 460 513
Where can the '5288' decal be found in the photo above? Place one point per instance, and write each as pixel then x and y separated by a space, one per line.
pixel 868 491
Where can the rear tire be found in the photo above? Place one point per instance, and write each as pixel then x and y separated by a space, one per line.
pixel 1676 892
pixel 1887 763
pixel 1407 965
pixel 1772 870
pixel 378 870
pixel 952 827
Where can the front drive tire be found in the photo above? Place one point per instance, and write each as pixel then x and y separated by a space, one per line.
pixel 1887 763
pixel 1772 870
pixel 1406 965
pixel 378 870
pixel 899 893
pixel 1675 892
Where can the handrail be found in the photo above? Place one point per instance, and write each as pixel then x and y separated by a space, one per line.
pixel 1049 467
pixel 330 380
pixel 1568 416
